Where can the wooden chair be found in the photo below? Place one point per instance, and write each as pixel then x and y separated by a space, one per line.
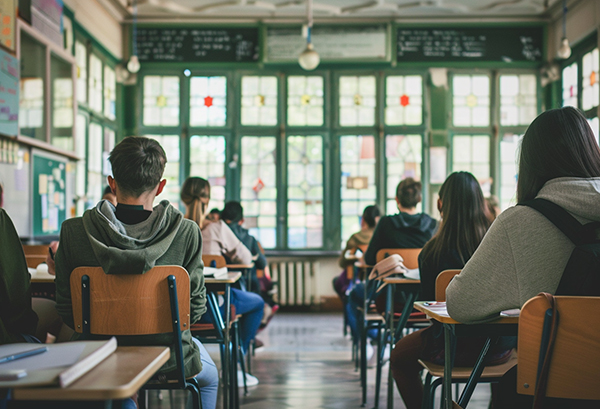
pixel 575 359
pixel 35 250
pixel 157 302
pixel 459 374
pixel 219 261
pixel 351 274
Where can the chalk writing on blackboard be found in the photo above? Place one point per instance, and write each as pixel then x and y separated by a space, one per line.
pixel 506 44
pixel 188 44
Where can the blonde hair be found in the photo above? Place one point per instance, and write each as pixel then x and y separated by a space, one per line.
pixel 195 194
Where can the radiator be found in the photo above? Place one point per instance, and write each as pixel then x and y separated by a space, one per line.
pixel 296 282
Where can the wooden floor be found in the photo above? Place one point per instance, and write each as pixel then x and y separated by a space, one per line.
pixel 305 363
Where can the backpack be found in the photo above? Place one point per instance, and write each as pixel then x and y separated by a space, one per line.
pixel 581 276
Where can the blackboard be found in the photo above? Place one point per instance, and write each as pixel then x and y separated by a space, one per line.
pixel 49 194
pixel 495 44
pixel 197 44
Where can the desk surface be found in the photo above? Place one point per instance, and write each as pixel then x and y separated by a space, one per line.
pixel 401 280
pixel 361 264
pixel 117 377
pixel 437 311
pixel 239 266
pixel 231 278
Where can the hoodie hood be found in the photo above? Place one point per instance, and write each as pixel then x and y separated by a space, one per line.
pixel 578 196
pixel 419 221
pixel 130 249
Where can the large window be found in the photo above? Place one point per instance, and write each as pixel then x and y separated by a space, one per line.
pixel 207 160
pixel 569 85
pixel 471 153
pixel 161 100
pixel 404 100
pixel 208 101
pixel 259 100
pixel 357 100
pixel 170 144
pixel 404 156
pixel 305 101
pixel 471 100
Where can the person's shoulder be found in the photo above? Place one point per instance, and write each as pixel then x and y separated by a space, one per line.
pixel 72 223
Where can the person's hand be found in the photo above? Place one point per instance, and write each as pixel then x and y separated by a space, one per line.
pixel 50 257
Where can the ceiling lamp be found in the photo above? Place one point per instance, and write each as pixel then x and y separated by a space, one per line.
pixel 133 65
pixel 564 51
pixel 309 59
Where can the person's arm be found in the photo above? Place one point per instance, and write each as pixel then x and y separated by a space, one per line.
pixel 427 292
pixel 63 279
pixel 195 266
pixel 488 282
pixel 233 248
pixel 351 244
pixel 378 241
pixel 261 261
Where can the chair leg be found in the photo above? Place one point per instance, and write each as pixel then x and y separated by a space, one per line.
pixel 426 388
pixel 239 355
pixel 380 351
pixel 432 389
pixel 195 392
pixel 249 355
pixel 363 364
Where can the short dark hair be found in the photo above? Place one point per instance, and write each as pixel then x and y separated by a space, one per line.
pixel 408 193
pixel 232 212
pixel 370 215
pixel 138 164
pixel 558 143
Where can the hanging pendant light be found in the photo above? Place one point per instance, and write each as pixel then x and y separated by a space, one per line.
pixel 133 65
pixel 309 59
pixel 564 51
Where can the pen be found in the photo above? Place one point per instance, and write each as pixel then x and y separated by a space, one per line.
pixel 25 354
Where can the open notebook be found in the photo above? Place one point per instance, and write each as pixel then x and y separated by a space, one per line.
pixel 214 272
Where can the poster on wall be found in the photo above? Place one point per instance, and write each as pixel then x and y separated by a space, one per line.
pixel 9 94
pixel 8 12
pixel 49 194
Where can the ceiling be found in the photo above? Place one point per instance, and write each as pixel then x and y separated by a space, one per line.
pixel 340 9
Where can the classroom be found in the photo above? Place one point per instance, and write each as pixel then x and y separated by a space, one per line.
pixel 330 167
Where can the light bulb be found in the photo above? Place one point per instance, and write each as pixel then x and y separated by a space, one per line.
pixel 309 59
pixel 564 51
pixel 134 64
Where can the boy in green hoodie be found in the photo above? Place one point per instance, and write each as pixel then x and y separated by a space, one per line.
pixel 132 238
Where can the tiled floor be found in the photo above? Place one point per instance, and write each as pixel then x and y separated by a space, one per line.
pixel 305 363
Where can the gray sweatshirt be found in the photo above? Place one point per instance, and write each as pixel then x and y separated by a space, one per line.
pixel 522 254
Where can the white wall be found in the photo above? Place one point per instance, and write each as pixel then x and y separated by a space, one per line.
pixel 583 18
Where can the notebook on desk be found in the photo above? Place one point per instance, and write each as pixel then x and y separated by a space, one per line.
pixel 214 272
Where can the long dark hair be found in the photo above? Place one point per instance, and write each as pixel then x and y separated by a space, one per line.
pixel 464 220
pixel 558 143
pixel 195 194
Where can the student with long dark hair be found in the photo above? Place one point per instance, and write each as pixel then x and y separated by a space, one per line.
pixel 523 253
pixel 464 223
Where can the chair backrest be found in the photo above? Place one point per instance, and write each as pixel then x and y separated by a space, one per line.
pixel 410 256
pixel 575 361
pixel 131 304
pixel 35 249
pixel 441 283
pixel 34 261
pixel 218 259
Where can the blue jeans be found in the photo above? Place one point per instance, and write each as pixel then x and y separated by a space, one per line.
pixel 251 306
pixel 356 299
pixel 208 379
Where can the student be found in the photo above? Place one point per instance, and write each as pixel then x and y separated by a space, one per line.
pixel 214 215
pixel 523 253
pixel 464 223
pixel 133 237
pixel 220 240
pixel 407 229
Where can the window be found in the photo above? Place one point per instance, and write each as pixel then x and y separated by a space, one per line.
pixel 357 100
pixel 403 155
pixel 207 160
pixel 590 94
pixel 259 100
pixel 32 92
pixel 471 100
pixel 62 103
pixel 81 58
pixel 161 100
pixel 110 93
pixel 305 191
pixel 95 85
pixel 471 153
pixel 305 101
pixel 258 188
pixel 569 85
pixel 95 178
pixel 170 144
pixel 80 149
pixel 518 99
pixel 358 189
pixel 208 101
pixel 404 100
pixel 509 148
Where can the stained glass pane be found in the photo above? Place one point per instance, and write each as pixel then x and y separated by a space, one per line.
pixel 590 93
pixel 471 153
pixel 471 100
pixel 404 100
pixel 95 84
pixel 95 178
pixel 208 101
pixel 170 144
pixel 357 100
pixel 258 187
pixel 110 93
pixel 259 100
pixel 81 58
pixel 569 85
pixel 358 190
pixel 518 99
pixel 404 155
pixel 161 100
pixel 595 125
pixel 305 191
pixel 207 160
pixel 305 101
pixel 509 148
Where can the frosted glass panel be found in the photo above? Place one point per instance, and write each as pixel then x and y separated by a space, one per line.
pixel 590 94
pixel 471 153
pixel 208 101
pixel 518 99
pixel 569 85
pixel 305 101
pixel 259 100
pixel 404 155
pixel 404 100
pixel 357 100
pixel 207 160
pixel 161 100
pixel 471 100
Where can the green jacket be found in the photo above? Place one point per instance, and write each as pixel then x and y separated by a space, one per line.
pixel 16 315
pixel 165 238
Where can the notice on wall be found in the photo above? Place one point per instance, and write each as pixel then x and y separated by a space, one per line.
pixel 8 12
pixel 9 94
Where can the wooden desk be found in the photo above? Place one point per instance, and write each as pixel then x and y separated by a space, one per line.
pixel 500 327
pixel 119 376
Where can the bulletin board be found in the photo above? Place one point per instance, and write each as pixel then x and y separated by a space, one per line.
pixel 49 193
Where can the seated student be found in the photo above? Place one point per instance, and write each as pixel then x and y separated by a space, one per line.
pixel 214 215
pixel 464 223
pixel 523 253
pixel 407 229
pixel 134 237
pixel 220 240
pixel 369 219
